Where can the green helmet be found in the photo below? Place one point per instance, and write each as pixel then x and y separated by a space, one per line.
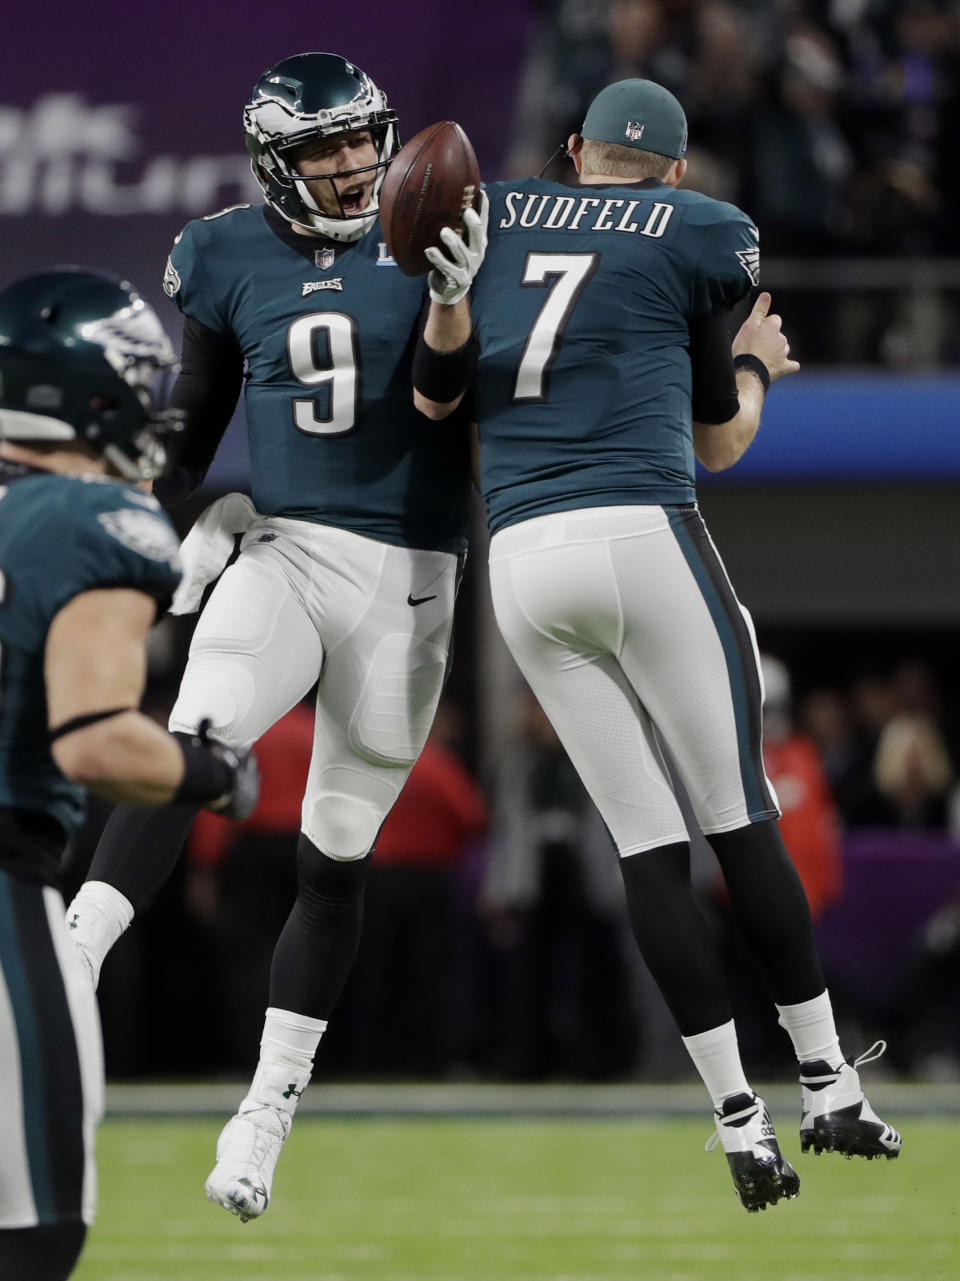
pixel 83 357
pixel 310 96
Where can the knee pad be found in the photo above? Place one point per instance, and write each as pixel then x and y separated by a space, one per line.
pixel 222 690
pixel 394 712
pixel 344 809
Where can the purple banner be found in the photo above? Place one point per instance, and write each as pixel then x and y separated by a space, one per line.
pixel 133 114
pixel 893 882
pixel 120 122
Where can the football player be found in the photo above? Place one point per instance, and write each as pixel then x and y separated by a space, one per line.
pixel 86 561
pixel 350 557
pixel 606 367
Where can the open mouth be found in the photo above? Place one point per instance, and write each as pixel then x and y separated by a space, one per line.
pixel 354 200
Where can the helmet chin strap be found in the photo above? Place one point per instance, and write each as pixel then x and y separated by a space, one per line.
pixel 342 229
pixel 349 230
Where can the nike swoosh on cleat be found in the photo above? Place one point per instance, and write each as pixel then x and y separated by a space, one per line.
pixel 419 600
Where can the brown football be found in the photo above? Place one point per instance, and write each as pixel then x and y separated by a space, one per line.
pixel 430 182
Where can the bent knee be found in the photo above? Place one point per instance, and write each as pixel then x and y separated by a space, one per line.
pixel 222 692
pixel 344 811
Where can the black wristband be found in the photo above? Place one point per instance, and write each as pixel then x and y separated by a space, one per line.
pixel 753 365
pixel 442 376
pixel 205 776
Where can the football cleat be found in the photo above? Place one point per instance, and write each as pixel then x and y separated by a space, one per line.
pixel 761 1175
pixel 247 1153
pixel 836 1116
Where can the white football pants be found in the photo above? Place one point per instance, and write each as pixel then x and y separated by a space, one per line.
pixel 371 620
pixel 623 622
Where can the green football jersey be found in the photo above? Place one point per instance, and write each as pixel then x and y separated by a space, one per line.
pixel 61 536
pixel 582 310
pixel 328 342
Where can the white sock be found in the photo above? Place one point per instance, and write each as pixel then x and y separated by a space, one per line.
pixel 716 1056
pixel 96 918
pixel 287 1048
pixel 812 1030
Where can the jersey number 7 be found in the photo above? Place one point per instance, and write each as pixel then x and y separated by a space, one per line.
pixel 567 275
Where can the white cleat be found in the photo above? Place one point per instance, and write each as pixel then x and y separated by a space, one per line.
pixel 247 1153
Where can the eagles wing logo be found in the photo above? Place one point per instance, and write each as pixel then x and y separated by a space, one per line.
pixel 750 262
pixel 148 535
pixel 130 335
pixel 171 280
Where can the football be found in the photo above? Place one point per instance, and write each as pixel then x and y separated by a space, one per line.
pixel 431 181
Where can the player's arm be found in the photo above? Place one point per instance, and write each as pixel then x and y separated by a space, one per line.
pixel 759 355
pixel 445 359
pixel 207 390
pixel 95 670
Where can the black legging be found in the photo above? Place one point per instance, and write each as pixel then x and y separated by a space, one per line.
pixel 40 1254
pixel 768 901
pixel 317 946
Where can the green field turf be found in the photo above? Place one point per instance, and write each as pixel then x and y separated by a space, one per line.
pixel 505 1200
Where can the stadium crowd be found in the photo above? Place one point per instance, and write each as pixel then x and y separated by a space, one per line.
pixel 832 122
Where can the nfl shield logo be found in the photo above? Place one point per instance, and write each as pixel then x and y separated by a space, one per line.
pixel 324 258
pixel 634 130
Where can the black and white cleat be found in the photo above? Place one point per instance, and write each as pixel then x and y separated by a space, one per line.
pixel 836 1116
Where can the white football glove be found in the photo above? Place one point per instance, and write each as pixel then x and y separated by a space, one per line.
pixel 453 271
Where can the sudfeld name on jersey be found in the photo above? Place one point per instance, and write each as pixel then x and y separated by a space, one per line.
pixel 585 213
pixel 314 286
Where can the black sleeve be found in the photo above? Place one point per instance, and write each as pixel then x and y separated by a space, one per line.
pixel 207 388
pixel 713 381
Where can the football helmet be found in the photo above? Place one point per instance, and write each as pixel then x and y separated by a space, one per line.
pixel 83 357
pixel 303 98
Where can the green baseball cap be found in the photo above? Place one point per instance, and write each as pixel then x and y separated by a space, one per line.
pixel 638 113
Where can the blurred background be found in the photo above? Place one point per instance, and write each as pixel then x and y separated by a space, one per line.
pixel 495 943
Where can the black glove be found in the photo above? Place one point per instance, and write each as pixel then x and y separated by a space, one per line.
pixel 222 778
pixel 240 800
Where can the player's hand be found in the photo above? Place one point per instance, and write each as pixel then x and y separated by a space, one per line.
pixel 761 335
pixel 240 800
pixel 455 266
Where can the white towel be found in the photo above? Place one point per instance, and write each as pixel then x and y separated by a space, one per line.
pixel 209 545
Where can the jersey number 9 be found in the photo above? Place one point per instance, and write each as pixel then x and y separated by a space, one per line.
pixel 322 352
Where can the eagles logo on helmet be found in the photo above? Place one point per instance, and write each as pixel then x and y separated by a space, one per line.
pixel 83 357
pixel 302 99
